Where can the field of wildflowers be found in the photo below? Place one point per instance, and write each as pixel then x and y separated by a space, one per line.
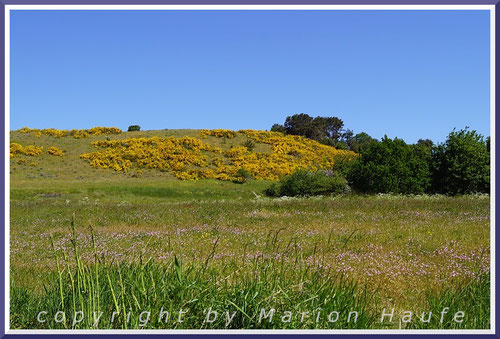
pixel 143 242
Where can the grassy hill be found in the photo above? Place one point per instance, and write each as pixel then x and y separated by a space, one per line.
pixel 267 155
pixel 73 177
pixel 72 167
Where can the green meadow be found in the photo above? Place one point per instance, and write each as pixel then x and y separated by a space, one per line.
pixel 87 241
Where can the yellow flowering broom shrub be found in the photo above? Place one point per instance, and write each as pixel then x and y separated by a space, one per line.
pixel 170 153
pixel 15 149
pixel 31 150
pixel 218 133
pixel 190 159
pixel 104 130
pixel 75 133
pixel 53 150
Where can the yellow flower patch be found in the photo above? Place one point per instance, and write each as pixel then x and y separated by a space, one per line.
pixel 15 149
pixel 31 150
pixel 176 154
pixel 191 159
pixel 218 133
pixel 75 133
pixel 55 151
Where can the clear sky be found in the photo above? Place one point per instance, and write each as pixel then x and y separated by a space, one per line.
pixel 407 74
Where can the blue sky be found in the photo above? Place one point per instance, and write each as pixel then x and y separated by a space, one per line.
pixel 407 74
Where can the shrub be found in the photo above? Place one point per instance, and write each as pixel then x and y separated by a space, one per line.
pixel 249 144
pixel 343 164
pixel 218 133
pixel 104 130
pixel 133 128
pixel 306 183
pixel 360 142
pixel 462 164
pixel 16 149
pixel 278 128
pixel 79 133
pixel 242 175
pixel 31 150
pixel 55 151
pixel 391 166
pixel 340 145
pixel 273 190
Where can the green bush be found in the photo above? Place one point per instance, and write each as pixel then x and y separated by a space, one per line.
pixel 391 166
pixel 343 164
pixel 273 190
pixel 132 128
pixel 306 183
pixel 462 164
pixel 242 176
pixel 360 142
pixel 249 144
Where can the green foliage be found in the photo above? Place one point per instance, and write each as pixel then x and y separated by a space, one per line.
pixel 360 142
pixel 306 183
pixel 462 164
pixel 391 166
pixel 344 164
pixel 249 144
pixel 327 130
pixel 242 176
pixel 300 124
pixel 341 145
pixel 273 190
pixel 278 128
pixel 132 128
pixel 459 166
pixel 426 142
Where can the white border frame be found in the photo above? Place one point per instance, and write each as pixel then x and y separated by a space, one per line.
pixel 9 8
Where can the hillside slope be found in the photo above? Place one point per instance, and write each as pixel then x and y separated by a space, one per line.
pixel 183 154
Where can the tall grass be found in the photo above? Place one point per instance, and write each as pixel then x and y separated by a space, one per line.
pixel 147 286
pixel 471 298
pixel 99 294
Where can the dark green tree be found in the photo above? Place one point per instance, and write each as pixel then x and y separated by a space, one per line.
pixel 134 128
pixel 278 128
pixel 299 124
pixel 391 166
pixel 327 130
pixel 327 127
pixel 360 141
pixel 462 164
pixel 426 143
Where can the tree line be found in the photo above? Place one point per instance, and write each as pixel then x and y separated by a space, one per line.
pixel 460 165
